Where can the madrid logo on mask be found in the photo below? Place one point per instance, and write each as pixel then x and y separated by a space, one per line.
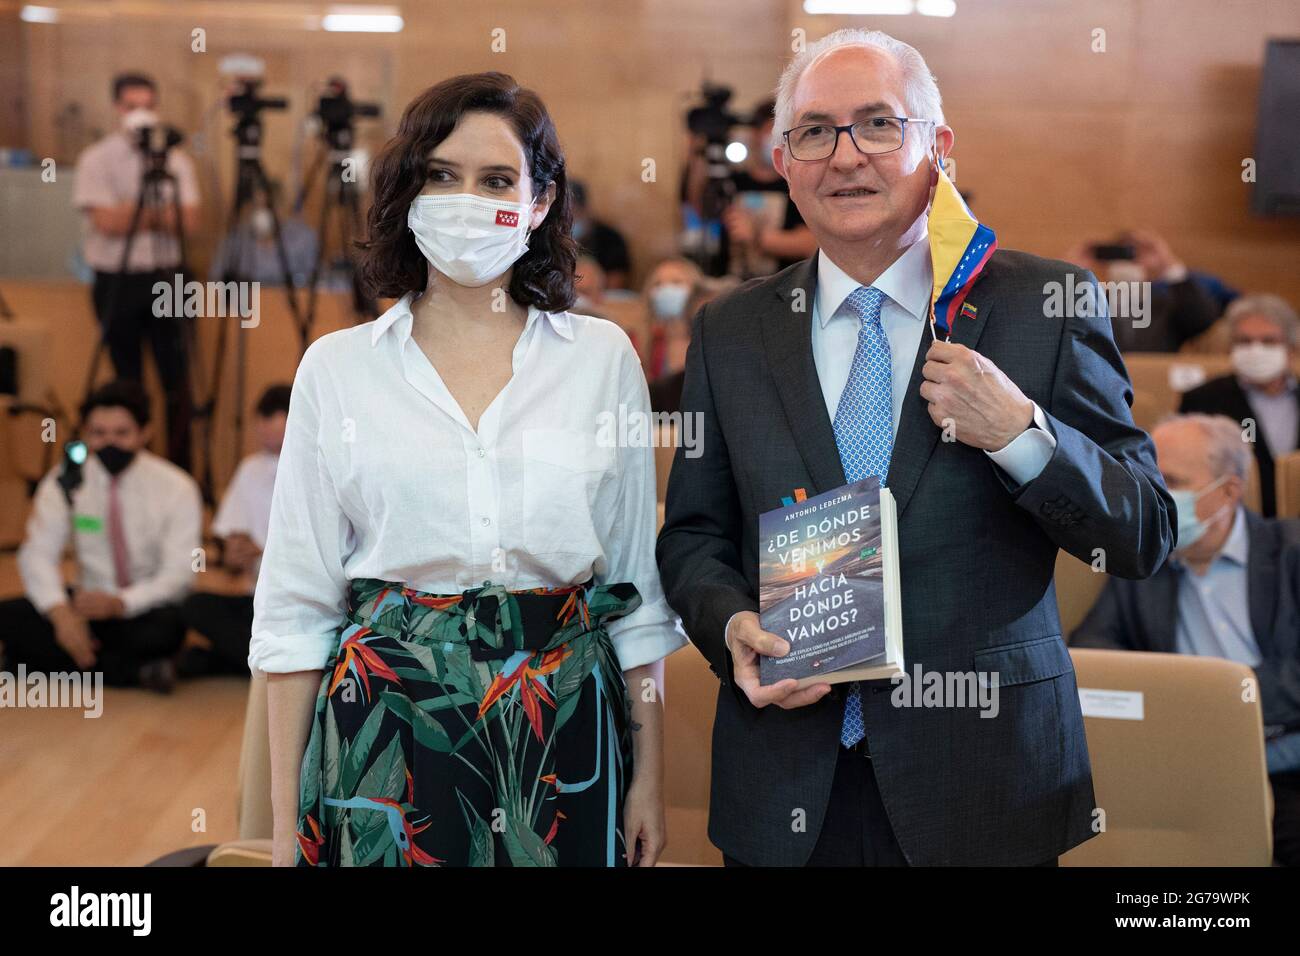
pixel 507 218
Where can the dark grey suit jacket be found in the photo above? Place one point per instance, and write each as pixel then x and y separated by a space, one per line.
pixel 1225 396
pixel 977 557
pixel 1142 615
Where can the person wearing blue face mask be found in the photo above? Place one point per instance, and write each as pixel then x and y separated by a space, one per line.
pixel 1231 589
pixel 665 293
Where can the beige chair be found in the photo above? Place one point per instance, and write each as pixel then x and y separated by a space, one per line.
pixel 241 853
pixel 690 694
pixel 1148 409
pixel 1253 497
pixel 1288 485
pixel 1164 376
pixel 1185 784
pixel 1077 588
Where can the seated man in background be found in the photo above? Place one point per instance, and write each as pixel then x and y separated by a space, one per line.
pixel 1231 590
pixel 226 620
pixel 135 520
pixel 1262 388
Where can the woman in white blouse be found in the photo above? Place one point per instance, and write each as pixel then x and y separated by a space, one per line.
pixel 458 610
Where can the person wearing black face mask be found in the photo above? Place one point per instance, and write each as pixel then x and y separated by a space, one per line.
pixel 135 521
pixel 115 458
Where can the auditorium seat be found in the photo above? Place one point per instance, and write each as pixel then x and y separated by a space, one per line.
pixel 1163 376
pixel 1253 497
pixel 241 853
pixel 1178 766
pixel 1288 485
pixel 690 693
pixel 1077 589
pixel 1148 409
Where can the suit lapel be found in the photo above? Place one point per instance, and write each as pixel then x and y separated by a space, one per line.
pixel 787 340
pixel 917 435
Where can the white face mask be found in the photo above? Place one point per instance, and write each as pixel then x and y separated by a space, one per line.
pixel 1259 362
pixel 263 223
pixel 469 239
pixel 667 301
pixel 139 118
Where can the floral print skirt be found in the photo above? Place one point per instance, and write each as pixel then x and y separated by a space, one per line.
pixel 488 728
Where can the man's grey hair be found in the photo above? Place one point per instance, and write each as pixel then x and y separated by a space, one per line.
pixel 1226 449
pixel 920 91
pixel 1272 307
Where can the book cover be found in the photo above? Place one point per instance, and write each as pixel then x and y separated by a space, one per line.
pixel 828 585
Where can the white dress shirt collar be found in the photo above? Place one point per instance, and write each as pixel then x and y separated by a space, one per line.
pixel 400 315
pixel 907 282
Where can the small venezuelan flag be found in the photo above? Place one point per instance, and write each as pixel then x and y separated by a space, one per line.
pixel 959 248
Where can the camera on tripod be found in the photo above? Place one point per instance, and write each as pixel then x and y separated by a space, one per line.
pixel 155 141
pixel 245 102
pixel 336 111
pixel 711 119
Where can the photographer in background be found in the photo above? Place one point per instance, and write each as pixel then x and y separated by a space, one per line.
pixel 762 231
pixel 108 181
pixel 1180 306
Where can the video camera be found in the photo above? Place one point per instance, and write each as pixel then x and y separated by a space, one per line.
pixel 711 119
pixel 337 110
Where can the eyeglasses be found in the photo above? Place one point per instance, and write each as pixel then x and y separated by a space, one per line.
pixel 878 134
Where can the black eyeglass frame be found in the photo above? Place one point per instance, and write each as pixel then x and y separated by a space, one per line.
pixel 848 128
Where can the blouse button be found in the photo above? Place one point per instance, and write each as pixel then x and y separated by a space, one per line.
pixel 486 521
pixel 481 453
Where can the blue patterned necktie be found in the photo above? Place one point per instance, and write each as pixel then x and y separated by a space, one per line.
pixel 864 434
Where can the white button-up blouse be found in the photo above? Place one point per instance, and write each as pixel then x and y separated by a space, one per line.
pixel 381 476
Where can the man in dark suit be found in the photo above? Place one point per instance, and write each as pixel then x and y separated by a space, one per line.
pixel 827 370
pixel 1261 395
pixel 1232 590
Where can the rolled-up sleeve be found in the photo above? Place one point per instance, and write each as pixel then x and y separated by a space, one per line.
pixel 302 589
pixel 651 632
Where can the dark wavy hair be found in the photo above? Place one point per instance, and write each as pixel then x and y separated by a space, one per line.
pixel 391 264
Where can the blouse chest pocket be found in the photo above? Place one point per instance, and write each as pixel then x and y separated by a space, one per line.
pixel 563 471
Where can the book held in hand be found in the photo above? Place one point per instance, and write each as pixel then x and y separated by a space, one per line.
pixel 829 586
